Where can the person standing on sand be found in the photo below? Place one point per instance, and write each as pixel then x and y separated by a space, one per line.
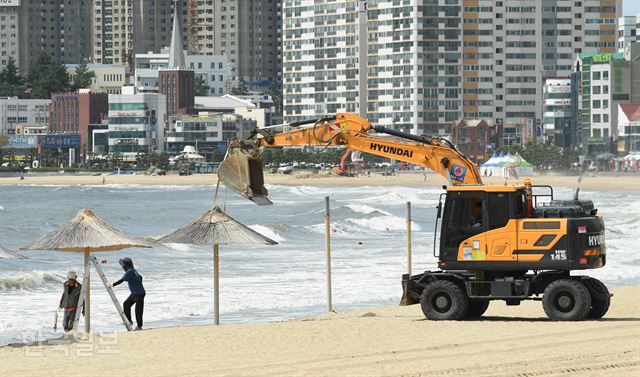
pixel 134 280
pixel 69 300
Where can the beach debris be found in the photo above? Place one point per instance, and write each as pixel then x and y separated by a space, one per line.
pixel 216 228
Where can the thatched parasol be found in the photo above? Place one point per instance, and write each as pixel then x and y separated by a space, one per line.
pixel 86 233
pixel 215 228
pixel 8 254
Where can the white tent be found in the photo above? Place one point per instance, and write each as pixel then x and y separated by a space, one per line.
pixel 506 164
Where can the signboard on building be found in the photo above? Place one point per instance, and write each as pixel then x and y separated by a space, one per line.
pixel 60 141
pixel 9 3
pixel 126 141
pixel 559 89
pixel 558 102
pixel 19 141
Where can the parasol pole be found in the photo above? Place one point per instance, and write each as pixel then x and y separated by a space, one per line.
pixel 216 285
pixel 409 238
pixel 327 224
pixel 87 293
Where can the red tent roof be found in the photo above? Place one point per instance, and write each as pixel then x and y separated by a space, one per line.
pixel 632 110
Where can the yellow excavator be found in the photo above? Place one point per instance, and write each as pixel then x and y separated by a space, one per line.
pixel 497 242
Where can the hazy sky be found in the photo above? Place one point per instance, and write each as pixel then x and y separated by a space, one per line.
pixel 630 7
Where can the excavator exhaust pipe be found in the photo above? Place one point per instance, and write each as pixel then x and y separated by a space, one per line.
pixel 241 171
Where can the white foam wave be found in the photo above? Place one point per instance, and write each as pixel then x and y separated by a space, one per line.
pixel 1 208
pixel 267 232
pixel 363 208
pixel 31 280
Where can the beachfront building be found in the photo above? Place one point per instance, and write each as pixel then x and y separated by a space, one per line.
pixel 136 122
pixel 626 32
pixel 259 108
pixel 605 81
pixel 436 62
pixel 248 32
pixel 216 70
pixel 206 131
pixel 476 138
pixel 558 125
pixel 109 78
pixel 71 113
pixel 629 127
pixel 15 111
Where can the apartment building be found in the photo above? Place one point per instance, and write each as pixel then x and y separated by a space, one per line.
pixel 434 62
pixel 15 111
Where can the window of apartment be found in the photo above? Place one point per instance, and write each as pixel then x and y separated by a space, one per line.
pixel 595 90
pixel 605 103
pixel 605 75
pixel 595 76
pixel 596 119
pixel 595 104
pixel 605 89
pixel 605 118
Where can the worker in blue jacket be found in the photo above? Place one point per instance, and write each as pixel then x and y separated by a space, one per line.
pixel 134 279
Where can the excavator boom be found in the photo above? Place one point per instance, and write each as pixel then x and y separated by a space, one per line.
pixel 242 168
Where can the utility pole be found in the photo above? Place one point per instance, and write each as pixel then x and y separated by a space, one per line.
pixel 363 59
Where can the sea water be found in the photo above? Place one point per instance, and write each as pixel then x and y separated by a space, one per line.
pixel 257 283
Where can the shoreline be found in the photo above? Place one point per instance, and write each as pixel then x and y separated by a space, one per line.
pixel 381 341
pixel 590 182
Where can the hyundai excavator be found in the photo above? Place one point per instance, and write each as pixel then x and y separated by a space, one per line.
pixel 497 242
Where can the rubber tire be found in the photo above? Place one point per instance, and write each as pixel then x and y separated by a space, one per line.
pixel 476 309
pixel 457 300
pixel 599 306
pixel 576 291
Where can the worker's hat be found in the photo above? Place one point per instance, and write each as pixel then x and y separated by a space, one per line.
pixel 72 275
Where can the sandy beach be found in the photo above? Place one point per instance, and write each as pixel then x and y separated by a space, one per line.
pixel 590 182
pixel 385 341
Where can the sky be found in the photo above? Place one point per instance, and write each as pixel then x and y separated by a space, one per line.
pixel 630 7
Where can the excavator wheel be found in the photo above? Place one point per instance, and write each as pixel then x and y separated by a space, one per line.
pixel 443 300
pixel 476 309
pixel 600 299
pixel 566 300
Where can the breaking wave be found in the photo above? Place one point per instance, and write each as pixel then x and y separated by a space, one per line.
pixel 32 280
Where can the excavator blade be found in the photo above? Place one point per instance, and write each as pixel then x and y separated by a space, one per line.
pixel 241 171
pixel 410 291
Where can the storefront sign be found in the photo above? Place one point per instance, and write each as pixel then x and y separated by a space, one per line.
pixel 126 141
pixel 60 141
pixel 9 3
pixel 559 89
pixel 19 141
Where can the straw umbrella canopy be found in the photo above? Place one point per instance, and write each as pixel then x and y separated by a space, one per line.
pixel 8 254
pixel 215 228
pixel 86 233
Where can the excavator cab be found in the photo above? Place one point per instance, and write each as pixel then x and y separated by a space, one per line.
pixel 241 171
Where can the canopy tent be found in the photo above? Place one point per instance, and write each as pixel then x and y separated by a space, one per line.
pixel 86 233
pixel 215 228
pixel 506 164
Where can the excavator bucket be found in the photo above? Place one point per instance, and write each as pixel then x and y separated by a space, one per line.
pixel 241 171
pixel 410 291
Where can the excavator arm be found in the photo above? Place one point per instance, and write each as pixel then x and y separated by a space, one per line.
pixel 242 169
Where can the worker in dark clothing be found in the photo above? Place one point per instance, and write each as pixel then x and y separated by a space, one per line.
pixel 69 300
pixel 134 280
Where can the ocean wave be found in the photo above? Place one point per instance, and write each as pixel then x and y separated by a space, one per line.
pixel 267 232
pixel 32 280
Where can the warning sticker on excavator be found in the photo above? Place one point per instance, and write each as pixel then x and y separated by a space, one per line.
pixel 466 252
pixel 457 173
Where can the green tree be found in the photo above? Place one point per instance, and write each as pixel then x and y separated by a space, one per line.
pixel 83 77
pixel 202 89
pixel 241 90
pixel 275 91
pixel 11 83
pixel 47 76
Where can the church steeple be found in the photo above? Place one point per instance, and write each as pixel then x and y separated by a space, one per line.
pixel 176 54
